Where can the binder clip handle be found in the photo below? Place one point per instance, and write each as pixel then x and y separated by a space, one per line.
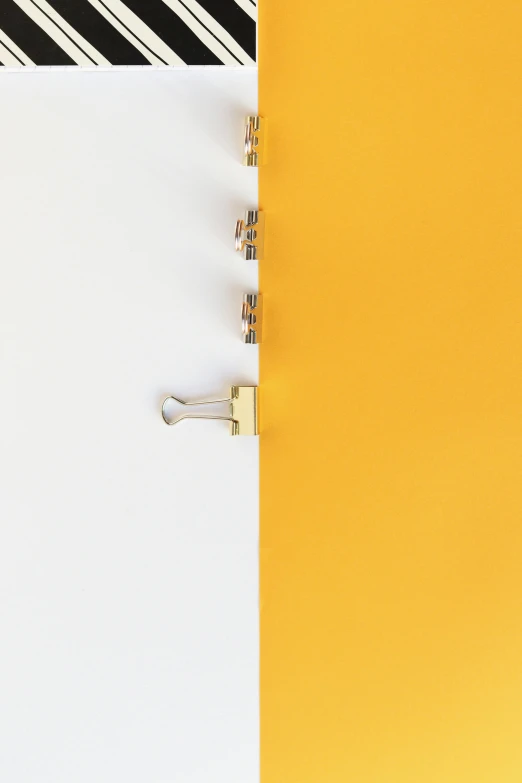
pixel 177 419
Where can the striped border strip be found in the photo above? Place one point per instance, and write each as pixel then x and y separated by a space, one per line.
pixel 127 32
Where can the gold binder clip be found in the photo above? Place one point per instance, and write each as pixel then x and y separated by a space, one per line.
pixel 250 235
pixel 252 318
pixel 255 128
pixel 243 410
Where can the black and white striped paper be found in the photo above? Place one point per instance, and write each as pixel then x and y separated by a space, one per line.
pixel 127 32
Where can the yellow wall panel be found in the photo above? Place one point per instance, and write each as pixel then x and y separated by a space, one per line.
pixel 391 453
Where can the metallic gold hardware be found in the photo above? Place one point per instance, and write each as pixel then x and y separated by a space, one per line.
pixel 252 318
pixel 250 235
pixel 243 416
pixel 255 129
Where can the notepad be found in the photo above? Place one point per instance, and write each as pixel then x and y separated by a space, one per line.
pixel 128 550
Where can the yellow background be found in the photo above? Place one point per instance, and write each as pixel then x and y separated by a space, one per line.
pixel 391 453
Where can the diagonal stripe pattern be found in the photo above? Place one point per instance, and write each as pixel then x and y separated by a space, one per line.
pixel 127 32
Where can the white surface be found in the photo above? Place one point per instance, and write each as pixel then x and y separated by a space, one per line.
pixel 128 550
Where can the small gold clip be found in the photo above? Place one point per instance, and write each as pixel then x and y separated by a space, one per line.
pixel 254 152
pixel 243 416
pixel 252 318
pixel 250 235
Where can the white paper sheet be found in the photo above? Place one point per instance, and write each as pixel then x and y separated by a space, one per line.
pixel 128 550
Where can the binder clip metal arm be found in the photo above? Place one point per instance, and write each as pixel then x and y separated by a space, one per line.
pixel 243 418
